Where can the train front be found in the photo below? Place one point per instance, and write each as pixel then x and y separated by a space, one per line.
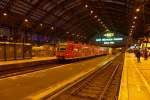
pixel 61 51
pixel 64 51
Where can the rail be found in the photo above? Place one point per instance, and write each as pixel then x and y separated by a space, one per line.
pixel 93 86
pixel 58 90
pixel 108 83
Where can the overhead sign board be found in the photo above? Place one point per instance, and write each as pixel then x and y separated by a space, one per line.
pixel 108 39
pixel 109 34
pixel 109 42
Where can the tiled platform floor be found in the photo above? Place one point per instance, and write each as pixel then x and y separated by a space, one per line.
pixel 135 83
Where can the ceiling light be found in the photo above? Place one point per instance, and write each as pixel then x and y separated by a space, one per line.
pixel 52 28
pixel 95 16
pixel 26 20
pixel 67 32
pixel 130 34
pixel 133 26
pixel 138 9
pixel 135 17
pixel 5 14
pixel 103 25
pixel 107 30
pixel 99 19
pixel 86 6
pixel 133 22
pixel 91 11
pixel 41 24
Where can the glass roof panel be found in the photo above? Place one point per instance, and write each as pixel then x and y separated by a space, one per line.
pixel 3 3
pixel 59 23
pixel 72 4
pixel 50 19
pixel 115 1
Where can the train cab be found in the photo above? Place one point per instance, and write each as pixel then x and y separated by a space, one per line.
pixel 64 50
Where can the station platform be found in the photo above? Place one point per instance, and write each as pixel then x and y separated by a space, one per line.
pixel 7 65
pixel 35 85
pixel 135 83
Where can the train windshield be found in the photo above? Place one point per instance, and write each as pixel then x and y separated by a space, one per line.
pixel 62 47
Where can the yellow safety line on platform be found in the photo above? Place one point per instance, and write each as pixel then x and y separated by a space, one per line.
pixel 124 92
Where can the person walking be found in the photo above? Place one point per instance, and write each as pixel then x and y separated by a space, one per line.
pixel 138 55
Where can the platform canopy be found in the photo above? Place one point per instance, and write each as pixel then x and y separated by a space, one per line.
pixel 83 18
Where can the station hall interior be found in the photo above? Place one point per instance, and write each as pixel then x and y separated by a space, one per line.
pixel 74 50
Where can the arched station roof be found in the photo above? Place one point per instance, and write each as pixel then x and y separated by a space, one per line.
pixel 78 17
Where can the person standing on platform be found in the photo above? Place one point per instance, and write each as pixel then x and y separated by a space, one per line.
pixel 145 55
pixel 138 55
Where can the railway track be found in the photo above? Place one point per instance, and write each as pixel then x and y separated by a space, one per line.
pixel 102 85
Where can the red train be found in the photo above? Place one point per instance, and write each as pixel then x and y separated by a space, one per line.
pixel 71 50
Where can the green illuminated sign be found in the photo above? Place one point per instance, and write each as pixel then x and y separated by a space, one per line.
pixel 109 34
pixel 109 42
pixel 109 39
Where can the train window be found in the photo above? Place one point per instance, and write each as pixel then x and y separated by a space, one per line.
pixel 75 50
pixel 62 49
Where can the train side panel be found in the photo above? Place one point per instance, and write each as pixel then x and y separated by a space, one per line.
pixel 67 51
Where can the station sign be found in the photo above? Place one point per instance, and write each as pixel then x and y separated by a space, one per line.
pixel 109 42
pixel 109 34
pixel 108 39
